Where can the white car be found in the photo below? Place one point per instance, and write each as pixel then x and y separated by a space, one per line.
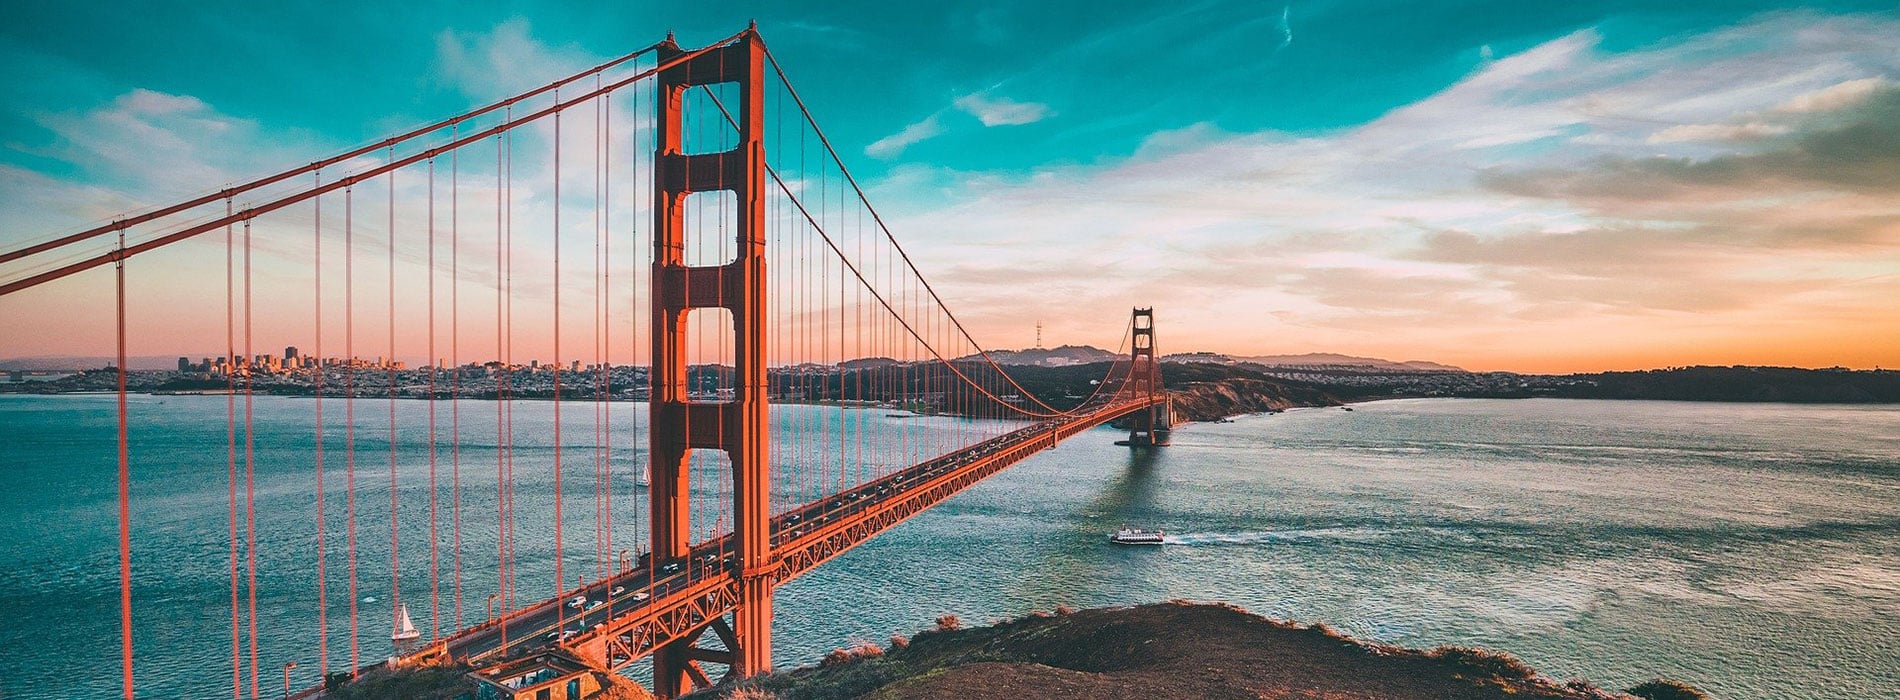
pixel 617 590
pixel 578 601
pixel 596 604
pixel 640 595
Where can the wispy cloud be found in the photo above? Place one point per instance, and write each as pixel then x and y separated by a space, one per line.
pixel 1002 111
pixel 1286 27
pixel 893 145
pixel 991 111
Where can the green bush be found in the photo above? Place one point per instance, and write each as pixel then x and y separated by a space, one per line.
pixel 1660 689
pixel 1491 663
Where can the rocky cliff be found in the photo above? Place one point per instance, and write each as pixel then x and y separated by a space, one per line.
pixel 1214 400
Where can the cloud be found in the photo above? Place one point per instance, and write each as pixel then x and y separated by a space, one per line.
pixel 145 148
pixel 1002 111
pixel 1286 27
pixel 1741 178
pixel 1716 132
pixel 990 111
pixel 1834 97
pixel 893 145
pixel 503 61
pixel 1855 149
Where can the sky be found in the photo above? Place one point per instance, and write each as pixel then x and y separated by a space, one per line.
pixel 1541 187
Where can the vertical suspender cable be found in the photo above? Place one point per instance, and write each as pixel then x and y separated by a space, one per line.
pixel 349 411
pixel 633 319
pixel 602 140
pixel 603 513
pixel 501 383
pixel 508 443
pixel 500 394
pixel 125 491
pixel 317 372
pixel 250 469
pixel 560 584
pixel 455 373
pixel 389 368
pixel 230 451
pixel 435 558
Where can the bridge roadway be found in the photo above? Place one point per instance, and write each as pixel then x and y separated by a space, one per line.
pixel 629 614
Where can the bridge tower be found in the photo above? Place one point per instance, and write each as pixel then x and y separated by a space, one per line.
pixel 1152 427
pixel 738 426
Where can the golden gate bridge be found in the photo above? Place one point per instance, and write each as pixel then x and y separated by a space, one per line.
pixel 759 274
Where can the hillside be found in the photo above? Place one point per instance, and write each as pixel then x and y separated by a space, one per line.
pixel 1159 651
pixel 1202 391
pixel 1775 384
pixel 1205 392
pixel 1049 357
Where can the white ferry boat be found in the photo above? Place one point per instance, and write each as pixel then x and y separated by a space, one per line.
pixel 1128 535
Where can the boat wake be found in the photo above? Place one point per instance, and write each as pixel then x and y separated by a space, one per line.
pixel 1214 539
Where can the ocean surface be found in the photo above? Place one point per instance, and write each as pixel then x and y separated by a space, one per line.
pixel 1750 550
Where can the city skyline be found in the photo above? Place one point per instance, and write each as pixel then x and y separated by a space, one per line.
pixel 1610 186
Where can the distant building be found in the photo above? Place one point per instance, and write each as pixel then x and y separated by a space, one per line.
pixel 290 353
pixel 184 364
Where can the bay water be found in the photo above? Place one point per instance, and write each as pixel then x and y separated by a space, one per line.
pixel 1752 550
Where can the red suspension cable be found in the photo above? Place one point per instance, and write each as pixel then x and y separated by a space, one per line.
pixel 318 372
pixel 395 552
pixel 250 470
pixel 230 450
pixel 435 559
pixel 560 584
pixel 125 492
pixel 349 414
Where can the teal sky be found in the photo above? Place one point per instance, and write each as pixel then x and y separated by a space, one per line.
pixel 1335 168
pixel 1110 73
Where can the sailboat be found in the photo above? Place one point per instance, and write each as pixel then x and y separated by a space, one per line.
pixel 405 629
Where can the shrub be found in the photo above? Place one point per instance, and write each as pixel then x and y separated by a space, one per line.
pixel 899 641
pixel 1491 663
pixel 1660 689
pixel 1064 610
pixel 836 658
pixel 746 692
pixel 858 650
pixel 949 622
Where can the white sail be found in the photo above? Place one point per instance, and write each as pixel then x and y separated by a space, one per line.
pixel 405 628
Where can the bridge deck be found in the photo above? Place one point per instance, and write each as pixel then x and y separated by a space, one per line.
pixel 627 615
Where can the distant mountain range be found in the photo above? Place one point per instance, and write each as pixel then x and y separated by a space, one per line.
pixel 1040 357
pixel 1326 358
pixel 1084 354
